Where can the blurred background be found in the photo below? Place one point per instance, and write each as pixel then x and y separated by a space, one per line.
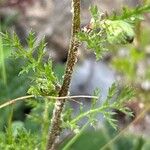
pixel 126 64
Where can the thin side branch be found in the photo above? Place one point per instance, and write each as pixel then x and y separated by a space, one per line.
pixel 13 101
pixel 55 128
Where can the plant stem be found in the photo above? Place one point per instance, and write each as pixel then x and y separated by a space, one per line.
pixel 71 61
pixel 92 111
pixel 2 62
pixel 72 141
pixel 45 124
pixel 13 101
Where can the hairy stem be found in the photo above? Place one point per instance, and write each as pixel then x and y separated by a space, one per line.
pixel 71 60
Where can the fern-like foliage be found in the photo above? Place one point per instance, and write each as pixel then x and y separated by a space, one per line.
pixel 21 140
pixel 105 30
pixel 43 81
pixel 115 100
pixel 131 15
pixel 96 38
pixel 113 29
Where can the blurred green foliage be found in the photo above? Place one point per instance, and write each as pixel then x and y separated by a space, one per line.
pixel 103 139
pixel 128 64
pixel 37 77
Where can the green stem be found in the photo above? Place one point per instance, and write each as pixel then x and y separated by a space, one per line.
pixel 72 141
pixel 97 110
pixel 107 137
pixel 45 124
pixel 2 61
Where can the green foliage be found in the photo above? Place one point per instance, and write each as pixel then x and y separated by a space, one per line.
pixel 131 15
pixel 113 29
pixel 119 32
pixel 43 84
pixel 114 101
pixel 96 38
pixel 43 81
pixel 102 140
pixel 18 86
pixel 2 64
pixel 21 140
pixel 128 65
pixel 4 53
pixel 59 71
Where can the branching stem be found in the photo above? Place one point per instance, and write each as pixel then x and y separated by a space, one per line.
pixel 72 58
pixel 55 127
